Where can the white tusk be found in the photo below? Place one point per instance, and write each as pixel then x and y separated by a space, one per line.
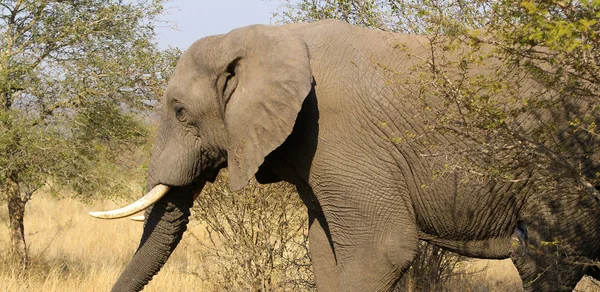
pixel 137 218
pixel 140 218
pixel 150 198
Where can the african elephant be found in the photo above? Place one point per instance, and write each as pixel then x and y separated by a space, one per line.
pixel 313 105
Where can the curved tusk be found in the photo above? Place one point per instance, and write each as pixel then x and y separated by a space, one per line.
pixel 137 218
pixel 140 218
pixel 150 198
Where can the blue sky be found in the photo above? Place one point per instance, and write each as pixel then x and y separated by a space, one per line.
pixel 198 18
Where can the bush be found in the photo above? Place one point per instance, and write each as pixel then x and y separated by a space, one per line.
pixel 432 269
pixel 256 239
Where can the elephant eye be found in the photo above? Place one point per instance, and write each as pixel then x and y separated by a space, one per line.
pixel 181 113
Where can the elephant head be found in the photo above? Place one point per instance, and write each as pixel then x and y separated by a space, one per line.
pixel 232 100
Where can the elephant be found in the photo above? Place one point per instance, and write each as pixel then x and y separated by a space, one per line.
pixel 312 104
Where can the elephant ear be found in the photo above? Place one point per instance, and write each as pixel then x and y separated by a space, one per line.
pixel 274 77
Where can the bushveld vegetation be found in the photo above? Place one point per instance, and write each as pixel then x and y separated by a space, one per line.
pixel 71 100
pixel 70 251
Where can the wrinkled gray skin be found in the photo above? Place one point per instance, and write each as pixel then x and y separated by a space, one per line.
pixel 311 105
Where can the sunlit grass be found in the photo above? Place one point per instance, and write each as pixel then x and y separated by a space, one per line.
pixel 72 251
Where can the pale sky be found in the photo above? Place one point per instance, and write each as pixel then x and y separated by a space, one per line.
pixel 199 18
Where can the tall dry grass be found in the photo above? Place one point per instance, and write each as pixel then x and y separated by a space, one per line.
pixel 73 252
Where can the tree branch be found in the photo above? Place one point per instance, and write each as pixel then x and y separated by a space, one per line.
pixel 559 160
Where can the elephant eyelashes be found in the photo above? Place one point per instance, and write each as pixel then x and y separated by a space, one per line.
pixel 180 113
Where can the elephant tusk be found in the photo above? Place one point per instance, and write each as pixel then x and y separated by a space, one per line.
pixel 137 218
pixel 140 218
pixel 150 198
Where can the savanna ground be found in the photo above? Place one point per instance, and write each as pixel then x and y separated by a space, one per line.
pixel 72 251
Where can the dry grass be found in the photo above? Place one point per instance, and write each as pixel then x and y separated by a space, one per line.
pixel 501 276
pixel 73 252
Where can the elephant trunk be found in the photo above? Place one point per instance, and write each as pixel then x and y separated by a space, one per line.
pixel 166 221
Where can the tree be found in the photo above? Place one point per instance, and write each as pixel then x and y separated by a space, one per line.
pixel 74 75
pixel 533 116
pixel 555 43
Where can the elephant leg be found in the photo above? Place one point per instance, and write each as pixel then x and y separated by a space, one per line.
pixel 544 273
pixel 561 241
pixel 374 237
pixel 321 253
pixel 376 265
pixel 542 267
